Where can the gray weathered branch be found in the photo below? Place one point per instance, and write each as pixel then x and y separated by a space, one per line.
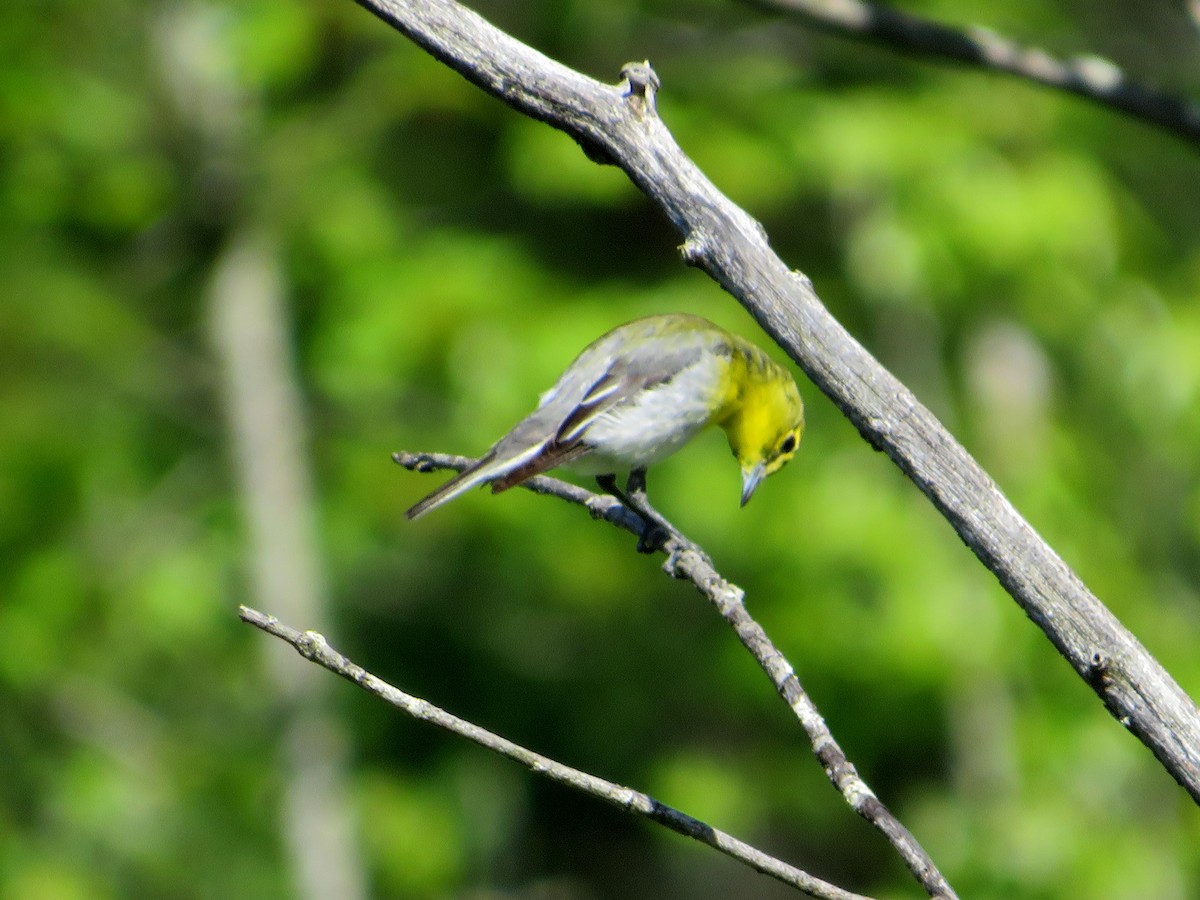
pixel 619 124
pixel 313 646
pixel 686 560
pixel 1089 77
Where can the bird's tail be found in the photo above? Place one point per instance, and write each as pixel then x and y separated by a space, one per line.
pixel 489 468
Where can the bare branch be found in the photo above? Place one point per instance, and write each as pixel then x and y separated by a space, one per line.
pixel 313 646
pixel 687 561
pixel 1089 77
pixel 619 124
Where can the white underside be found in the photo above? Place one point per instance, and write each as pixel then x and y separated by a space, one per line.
pixel 659 422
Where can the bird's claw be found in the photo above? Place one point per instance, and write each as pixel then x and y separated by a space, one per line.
pixel 652 538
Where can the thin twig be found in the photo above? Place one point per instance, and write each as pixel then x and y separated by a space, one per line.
pixel 314 647
pixel 1090 77
pixel 687 561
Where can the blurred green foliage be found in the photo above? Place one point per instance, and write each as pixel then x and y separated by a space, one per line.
pixel 1027 263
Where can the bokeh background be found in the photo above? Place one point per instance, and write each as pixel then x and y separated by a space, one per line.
pixel 249 248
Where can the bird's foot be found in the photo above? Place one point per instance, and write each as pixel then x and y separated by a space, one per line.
pixel 652 538
pixel 656 530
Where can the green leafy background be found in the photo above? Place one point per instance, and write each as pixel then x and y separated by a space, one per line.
pixel 1026 262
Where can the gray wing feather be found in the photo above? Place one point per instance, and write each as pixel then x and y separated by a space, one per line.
pixel 599 380
pixel 608 373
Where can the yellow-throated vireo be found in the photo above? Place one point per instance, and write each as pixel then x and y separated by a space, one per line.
pixel 638 394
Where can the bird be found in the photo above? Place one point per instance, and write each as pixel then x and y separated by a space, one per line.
pixel 636 395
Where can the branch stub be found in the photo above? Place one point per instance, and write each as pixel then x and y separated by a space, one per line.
pixel 642 83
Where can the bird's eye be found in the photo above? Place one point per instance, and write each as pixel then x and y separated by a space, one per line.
pixel 788 445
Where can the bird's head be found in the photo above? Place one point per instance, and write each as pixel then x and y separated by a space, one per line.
pixel 765 428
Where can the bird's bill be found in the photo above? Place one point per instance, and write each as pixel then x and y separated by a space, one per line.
pixel 751 479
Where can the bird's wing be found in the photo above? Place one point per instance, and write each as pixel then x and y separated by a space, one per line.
pixel 548 457
pixel 565 442
pixel 610 372
pixel 592 387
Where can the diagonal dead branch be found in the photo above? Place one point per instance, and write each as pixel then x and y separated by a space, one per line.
pixel 618 125
pixel 686 560
pixel 314 647
pixel 1090 77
